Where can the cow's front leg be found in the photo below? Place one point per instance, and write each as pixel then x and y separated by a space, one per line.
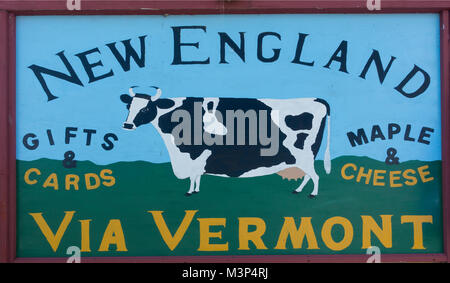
pixel 191 187
pixel 302 185
pixel 197 184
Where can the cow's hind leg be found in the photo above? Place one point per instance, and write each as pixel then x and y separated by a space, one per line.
pixel 310 173
pixel 302 185
pixel 315 179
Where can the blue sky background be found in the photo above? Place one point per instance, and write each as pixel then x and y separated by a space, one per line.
pixel 355 102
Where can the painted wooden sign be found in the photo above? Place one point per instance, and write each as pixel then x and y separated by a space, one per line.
pixel 228 135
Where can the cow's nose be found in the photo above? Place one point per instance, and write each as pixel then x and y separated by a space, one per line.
pixel 128 126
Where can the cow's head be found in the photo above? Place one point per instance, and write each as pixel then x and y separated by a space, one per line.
pixel 143 108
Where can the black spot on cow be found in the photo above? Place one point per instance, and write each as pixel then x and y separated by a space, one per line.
pixel 316 146
pixel 210 106
pixel 146 114
pixel 231 159
pixel 166 125
pixel 299 122
pixel 300 142
pixel 149 112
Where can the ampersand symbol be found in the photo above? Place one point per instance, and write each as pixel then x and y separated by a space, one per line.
pixel 68 161
pixel 391 159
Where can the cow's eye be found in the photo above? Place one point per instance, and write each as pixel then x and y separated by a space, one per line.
pixel 144 109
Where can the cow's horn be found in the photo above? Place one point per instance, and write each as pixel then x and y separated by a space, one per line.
pixel 130 90
pixel 158 93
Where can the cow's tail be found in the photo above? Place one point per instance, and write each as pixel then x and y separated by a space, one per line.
pixel 326 158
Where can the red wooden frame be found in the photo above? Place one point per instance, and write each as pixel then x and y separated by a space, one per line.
pixel 10 8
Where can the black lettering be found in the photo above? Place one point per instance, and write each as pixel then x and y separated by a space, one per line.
pixel 239 50
pixel 340 55
pixel 376 133
pixel 382 72
pixel 89 133
pixel 407 132
pixel 34 143
pixel 71 77
pixel 69 134
pixel 298 51
pixel 108 145
pixel 89 66
pixel 358 138
pixel 259 51
pixel 421 89
pixel 177 60
pixel 393 129
pixel 129 53
pixel 50 137
pixel 423 134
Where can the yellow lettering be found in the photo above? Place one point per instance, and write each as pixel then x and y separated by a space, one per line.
pixel 423 174
pixel 72 179
pixel 85 241
pixel 344 175
pixel 392 177
pixel 89 185
pixel 206 234
pixel 28 173
pixel 297 235
pixel 172 241
pixel 383 234
pixel 411 179
pixel 113 235
pixel 53 239
pixel 377 176
pixel 361 174
pixel 51 181
pixel 328 239
pixel 417 221
pixel 255 236
pixel 108 180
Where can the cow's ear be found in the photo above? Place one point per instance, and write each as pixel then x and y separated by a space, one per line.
pixel 164 103
pixel 125 98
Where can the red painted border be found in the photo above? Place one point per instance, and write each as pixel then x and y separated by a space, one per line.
pixel 4 209
pixel 217 6
pixel 445 104
pixel 12 136
pixel 250 259
pixel 8 11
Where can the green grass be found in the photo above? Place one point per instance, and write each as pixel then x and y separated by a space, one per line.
pixel 142 186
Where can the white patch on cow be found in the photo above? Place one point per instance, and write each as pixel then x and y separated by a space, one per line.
pixel 210 123
pixel 304 157
pixel 263 171
pixel 136 105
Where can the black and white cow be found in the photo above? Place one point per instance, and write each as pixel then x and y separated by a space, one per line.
pixel 300 124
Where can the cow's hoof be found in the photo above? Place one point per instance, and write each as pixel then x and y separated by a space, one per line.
pixel 312 196
pixel 195 192
pixel 295 192
pixel 188 194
